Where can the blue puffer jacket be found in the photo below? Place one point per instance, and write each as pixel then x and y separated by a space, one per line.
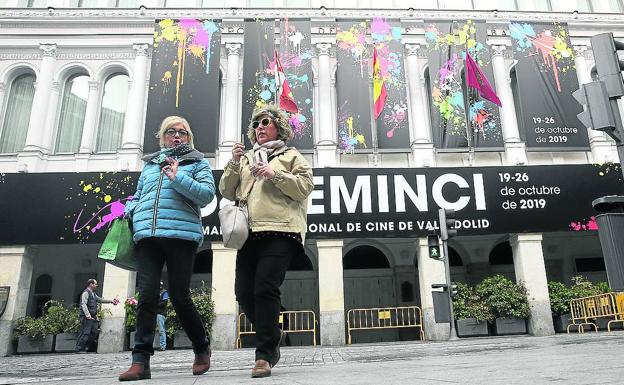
pixel 171 209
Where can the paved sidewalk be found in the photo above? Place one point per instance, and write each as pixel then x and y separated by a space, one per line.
pixel 563 359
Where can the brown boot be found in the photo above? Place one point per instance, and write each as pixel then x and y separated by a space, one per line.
pixel 201 363
pixel 136 372
pixel 262 369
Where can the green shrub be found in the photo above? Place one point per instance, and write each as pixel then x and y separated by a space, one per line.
pixel 504 298
pixel 603 287
pixel 56 319
pixel 582 287
pixel 560 296
pixel 202 299
pixel 468 304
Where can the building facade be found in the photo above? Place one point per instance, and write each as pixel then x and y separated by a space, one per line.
pixel 74 85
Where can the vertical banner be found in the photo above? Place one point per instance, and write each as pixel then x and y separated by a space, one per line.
pixel 258 69
pixel 353 87
pixel 546 79
pixel 184 80
pixel 296 57
pixel 447 42
pixel 392 124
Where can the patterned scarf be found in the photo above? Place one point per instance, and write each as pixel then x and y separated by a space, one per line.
pixel 175 152
pixel 263 151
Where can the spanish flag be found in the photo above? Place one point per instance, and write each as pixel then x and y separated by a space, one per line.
pixel 379 88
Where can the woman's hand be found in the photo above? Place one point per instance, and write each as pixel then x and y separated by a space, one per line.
pixel 171 169
pixel 263 169
pixel 237 152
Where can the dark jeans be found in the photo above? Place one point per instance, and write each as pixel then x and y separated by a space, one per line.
pixel 260 270
pixel 88 330
pixel 178 254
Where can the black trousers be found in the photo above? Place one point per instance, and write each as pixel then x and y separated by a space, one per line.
pixel 88 330
pixel 260 270
pixel 179 255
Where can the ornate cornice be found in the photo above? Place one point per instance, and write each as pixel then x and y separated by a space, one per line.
pixel 20 56
pixel 145 16
pixel 95 55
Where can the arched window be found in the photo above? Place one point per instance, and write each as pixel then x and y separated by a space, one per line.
pixel 71 120
pixel 43 293
pixel 365 257
pixel 112 112
pixel 37 3
pixel 17 113
pixel 501 254
pixel 454 258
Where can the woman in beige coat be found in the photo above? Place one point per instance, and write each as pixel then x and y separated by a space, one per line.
pixel 279 180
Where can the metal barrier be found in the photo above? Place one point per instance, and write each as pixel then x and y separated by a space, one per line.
pixel 302 321
pixel 384 318
pixel 588 309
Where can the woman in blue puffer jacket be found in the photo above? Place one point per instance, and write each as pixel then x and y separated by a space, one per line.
pixel 165 210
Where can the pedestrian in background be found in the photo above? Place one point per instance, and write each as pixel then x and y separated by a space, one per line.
pixel 88 316
pixel 280 180
pixel 161 317
pixel 176 182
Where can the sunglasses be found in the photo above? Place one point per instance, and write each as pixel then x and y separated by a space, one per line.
pixel 264 122
pixel 171 132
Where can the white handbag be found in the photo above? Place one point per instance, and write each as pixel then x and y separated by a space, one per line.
pixel 234 225
pixel 234 220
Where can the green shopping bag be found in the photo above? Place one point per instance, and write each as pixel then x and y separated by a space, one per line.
pixel 118 247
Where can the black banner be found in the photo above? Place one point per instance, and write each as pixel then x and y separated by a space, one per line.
pixel 546 79
pixel 296 57
pixel 258 76
pixel 184 80
pixel 447 42
pixel 353 87
pixel 392 125
pixel 346 203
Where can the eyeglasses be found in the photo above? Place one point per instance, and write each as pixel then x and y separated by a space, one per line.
pixel 171 132
pixel 264 122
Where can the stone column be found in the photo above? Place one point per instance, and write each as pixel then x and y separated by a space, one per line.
pixel 600 146
pixel 117 283
pixel 528 258
pixel 515 149
pixel 430 271
pixel 40 110
pixel 87 144
pixel 223 335
pixel 133 123
pixel 230 132
pixel 50 122
pixel 16 272
pixel 423 154
pixel 602 6
pixel 326 141
pixel 331 292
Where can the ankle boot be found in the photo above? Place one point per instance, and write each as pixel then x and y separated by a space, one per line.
pixel 136 372
pixel 201 363
pixel 262 369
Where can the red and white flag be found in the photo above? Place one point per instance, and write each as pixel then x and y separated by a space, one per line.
pixel 284 94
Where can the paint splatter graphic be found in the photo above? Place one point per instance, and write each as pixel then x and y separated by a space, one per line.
pixel 105 199
pixel 447 85
pixel 348 136
pixel 296 58
pixel 584 225
pixel 551 46
pixel 353 40
pixel 609 168
pixel 387 41
pixel 192 39
pixel 353 58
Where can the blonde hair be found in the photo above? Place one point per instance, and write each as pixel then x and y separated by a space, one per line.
pixel 279 118
pixel 171 121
